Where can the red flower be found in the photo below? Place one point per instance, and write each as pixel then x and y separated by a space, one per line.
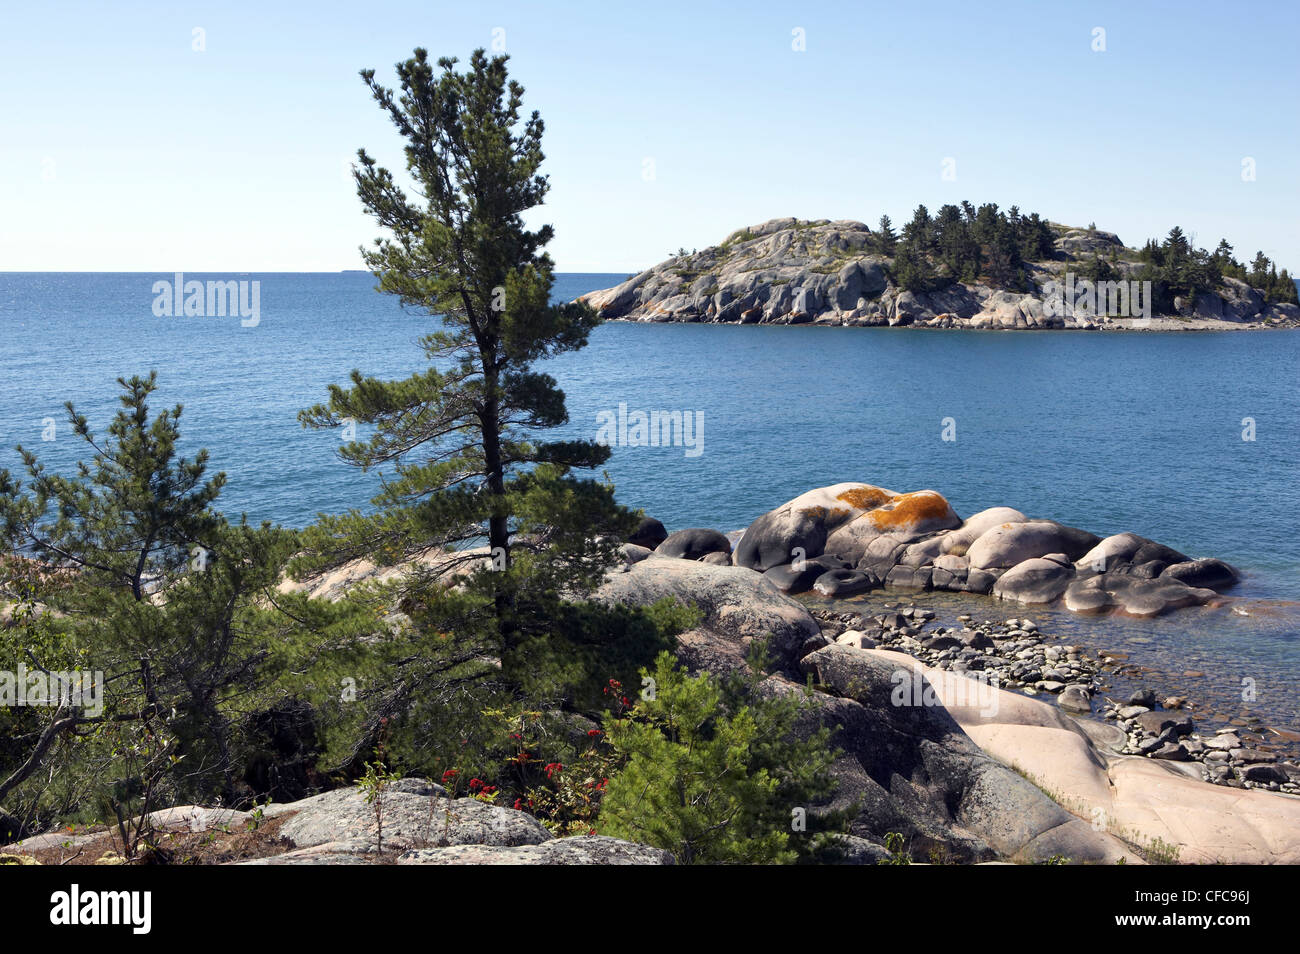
pixel 552 768
pixel 518 802
pixel 592 733
pixel 475 784
pixel 448 775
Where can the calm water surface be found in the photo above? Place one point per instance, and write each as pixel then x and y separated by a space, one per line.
pixel 1105 431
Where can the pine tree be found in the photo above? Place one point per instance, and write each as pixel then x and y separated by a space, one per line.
pixel 910 270
pixel 465 441
pixel 919 233
pixel 713 770
pixel 459 250
pixel 1259 270
pixel 154 589
pixel 1285 291
pixel 886 238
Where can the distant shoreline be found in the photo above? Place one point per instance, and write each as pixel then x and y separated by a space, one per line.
pixel 1162 324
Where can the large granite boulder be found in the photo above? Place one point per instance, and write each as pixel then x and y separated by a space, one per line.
pixel 694 544
pixel 1208 573
pixel 1127 549
pixel 649 533
pixel 1037 581
pixel 422 825
pixel 906 516
pixel 973 527
pixel 577 850
pixel 415 812
pixel 1008 544
pixel 801 527
pixel 737 604
pixel 883 553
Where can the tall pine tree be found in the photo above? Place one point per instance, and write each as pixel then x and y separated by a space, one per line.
pixel 474 490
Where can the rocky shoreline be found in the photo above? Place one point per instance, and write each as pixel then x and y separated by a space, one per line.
pixel 1003 746
pixel 792 272
pixel 1047 765
pixel 848 541
pixel 917 712
pixel 973 738
pixel 1014 655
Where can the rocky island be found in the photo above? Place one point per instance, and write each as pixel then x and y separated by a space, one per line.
pixel 963 268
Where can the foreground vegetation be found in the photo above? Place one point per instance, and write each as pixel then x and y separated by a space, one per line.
pixel 492 670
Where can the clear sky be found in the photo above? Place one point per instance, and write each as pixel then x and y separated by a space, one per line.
pixel 123 148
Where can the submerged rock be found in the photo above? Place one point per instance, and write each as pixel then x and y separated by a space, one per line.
pixel 1132 596
pixel 838 584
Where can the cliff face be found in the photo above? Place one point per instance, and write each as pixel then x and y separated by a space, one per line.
pixel 788 271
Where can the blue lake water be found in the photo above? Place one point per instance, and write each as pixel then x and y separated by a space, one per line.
pixel 1106 431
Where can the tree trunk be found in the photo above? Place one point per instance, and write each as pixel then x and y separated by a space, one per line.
pixel 498 522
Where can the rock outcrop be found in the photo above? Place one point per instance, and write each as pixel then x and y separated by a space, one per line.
pixel 738 606
pixel 1152 803
pixel 790 271
pixel 907 767
pixel 850 537
pixel 914 770
pixel 961 766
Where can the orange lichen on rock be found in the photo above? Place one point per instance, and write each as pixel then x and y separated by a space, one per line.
pixel 909 510
pixel 865 498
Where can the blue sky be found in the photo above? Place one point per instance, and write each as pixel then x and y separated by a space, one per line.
pixel 122 148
